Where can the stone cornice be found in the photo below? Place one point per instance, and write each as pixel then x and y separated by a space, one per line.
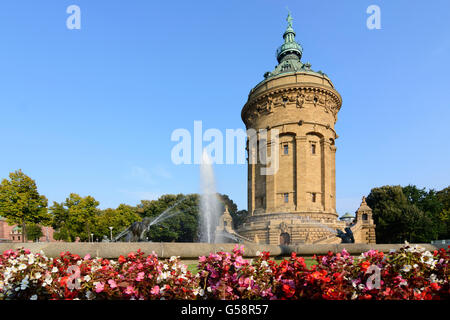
pixel 315 87
pixel 298 94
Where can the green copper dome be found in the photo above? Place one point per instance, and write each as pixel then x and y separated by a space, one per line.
pixel 289 55
pixel 290 46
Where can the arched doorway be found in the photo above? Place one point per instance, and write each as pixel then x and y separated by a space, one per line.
pixel 285 238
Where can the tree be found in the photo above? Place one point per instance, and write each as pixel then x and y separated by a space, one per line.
pixel 118 219
pixel 399 217
pixel 76 217
pixel 21 203
pixel 34 231
pixel 431 206
pixel 444 215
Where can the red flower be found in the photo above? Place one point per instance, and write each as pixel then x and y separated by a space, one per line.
pixel 121 259
pixel 365 265
pixel 435 286
pixel 63 281
pixel 288 291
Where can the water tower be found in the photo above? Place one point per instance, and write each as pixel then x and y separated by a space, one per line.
pixel 297 204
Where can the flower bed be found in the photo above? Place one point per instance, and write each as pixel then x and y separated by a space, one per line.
pixel 408 273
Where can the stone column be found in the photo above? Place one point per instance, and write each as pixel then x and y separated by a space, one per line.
pixel 251 180
pixel 333 177
pixel 300 150
pixel 271 196
pixel 326 176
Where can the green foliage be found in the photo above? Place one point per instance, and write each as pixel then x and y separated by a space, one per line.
pixel 76 217
pixel 34 231
pixel 20 202
pixel 407 214
pixel 118 219
pixel 444 215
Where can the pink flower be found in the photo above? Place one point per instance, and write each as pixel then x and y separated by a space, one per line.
pixel 112 283
pixel 129 290
pixel 140 276
pixel 87 257
pixel 155 290
pixel 239 261
pixel 345 253
pixel 99 287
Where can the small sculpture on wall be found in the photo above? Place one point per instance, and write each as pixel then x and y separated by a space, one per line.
pixel 347 236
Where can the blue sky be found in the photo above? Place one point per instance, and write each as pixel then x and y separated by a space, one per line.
pixel 91 111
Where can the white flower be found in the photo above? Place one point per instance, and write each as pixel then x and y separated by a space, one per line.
pixel 90 295
pixel 22 266
pixel 406 268
pixel 34 297
pixel 433 278
pixel 37 275
pixel 55 269
pixel 31 260
pixel 24 283
pixel 165 267
pixel 48 280
pixel 264 264
pixel 87 278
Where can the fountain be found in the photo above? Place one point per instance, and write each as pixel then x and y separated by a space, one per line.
pixel 209 211
pixel 137 230
pixel 210 207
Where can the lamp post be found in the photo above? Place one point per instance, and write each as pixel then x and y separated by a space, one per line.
pixel 92 237
pixel 110 229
